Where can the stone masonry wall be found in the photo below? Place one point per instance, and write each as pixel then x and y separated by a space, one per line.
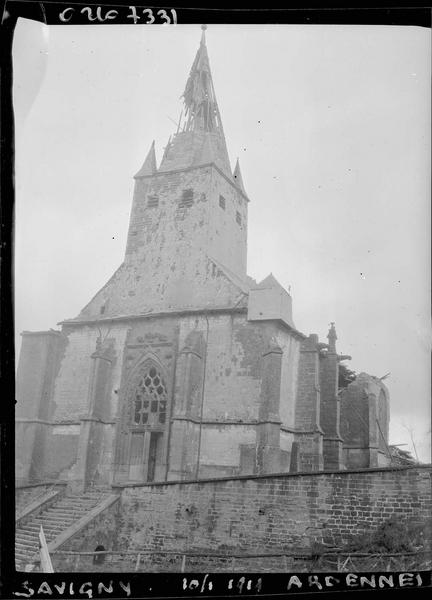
pixel 37 368
pixel 232 390
pixel 70 400
pixel 102 531
pixel 267 513
pixel 170 245
pixel 261 514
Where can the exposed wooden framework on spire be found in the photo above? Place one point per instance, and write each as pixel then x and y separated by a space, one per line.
pixel 199 138
pixel 201 109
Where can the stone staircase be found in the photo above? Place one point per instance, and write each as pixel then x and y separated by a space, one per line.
pixel 54 520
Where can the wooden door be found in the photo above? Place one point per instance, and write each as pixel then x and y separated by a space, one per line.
pixel 154 450
pixel 136 460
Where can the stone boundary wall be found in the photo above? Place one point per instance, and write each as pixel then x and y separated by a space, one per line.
pixel 261 514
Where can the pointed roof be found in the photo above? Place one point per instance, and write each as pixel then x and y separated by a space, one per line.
pixel 238 180
pixel 149 166
pixel 269 300
pixel 270 281
pixel 200 138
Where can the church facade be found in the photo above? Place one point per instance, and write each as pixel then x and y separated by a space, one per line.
pixel 182 367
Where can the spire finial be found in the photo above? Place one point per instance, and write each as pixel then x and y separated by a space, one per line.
pixel 203 39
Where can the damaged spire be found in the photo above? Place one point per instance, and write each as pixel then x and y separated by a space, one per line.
pixel 201 109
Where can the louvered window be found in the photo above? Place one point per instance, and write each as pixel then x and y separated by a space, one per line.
pixel 153 201
pixel 186 199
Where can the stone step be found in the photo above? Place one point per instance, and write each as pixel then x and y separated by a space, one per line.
pixel 48 528
pixel 33 530
pixel 28 534
pixel 49 514
pixel 21 531
pixel 86 496
pixel 27 542
pixel 26 547
pixel 76 506
pixel 82 499
pixel 54 520
pixel 24 554
pixel 59 519
pixel 73 509
pixel 35 527
pixel 23 558
pixel 21 542
pixel 50 534
pixel 23 547
pixel 26 537
pixel 64 512
pixel 79 499
pixel 64 509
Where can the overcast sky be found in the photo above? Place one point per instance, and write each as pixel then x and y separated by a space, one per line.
pixel 332 128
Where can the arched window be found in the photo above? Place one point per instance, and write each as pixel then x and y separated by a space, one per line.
pixel 149 398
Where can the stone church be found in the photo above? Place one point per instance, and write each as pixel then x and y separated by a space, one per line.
pixel 182 367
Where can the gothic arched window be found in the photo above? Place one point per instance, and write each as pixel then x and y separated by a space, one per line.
pixel 149 398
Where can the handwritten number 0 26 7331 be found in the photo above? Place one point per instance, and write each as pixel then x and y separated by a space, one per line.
pixel 107 14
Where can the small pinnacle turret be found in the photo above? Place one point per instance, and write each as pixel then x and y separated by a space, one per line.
pixel 332 337
pixel 149 166
pixel 238 180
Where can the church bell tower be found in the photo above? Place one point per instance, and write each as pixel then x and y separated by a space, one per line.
pixel 188 226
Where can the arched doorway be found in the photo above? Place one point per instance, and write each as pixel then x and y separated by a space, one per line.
pixel 147 399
